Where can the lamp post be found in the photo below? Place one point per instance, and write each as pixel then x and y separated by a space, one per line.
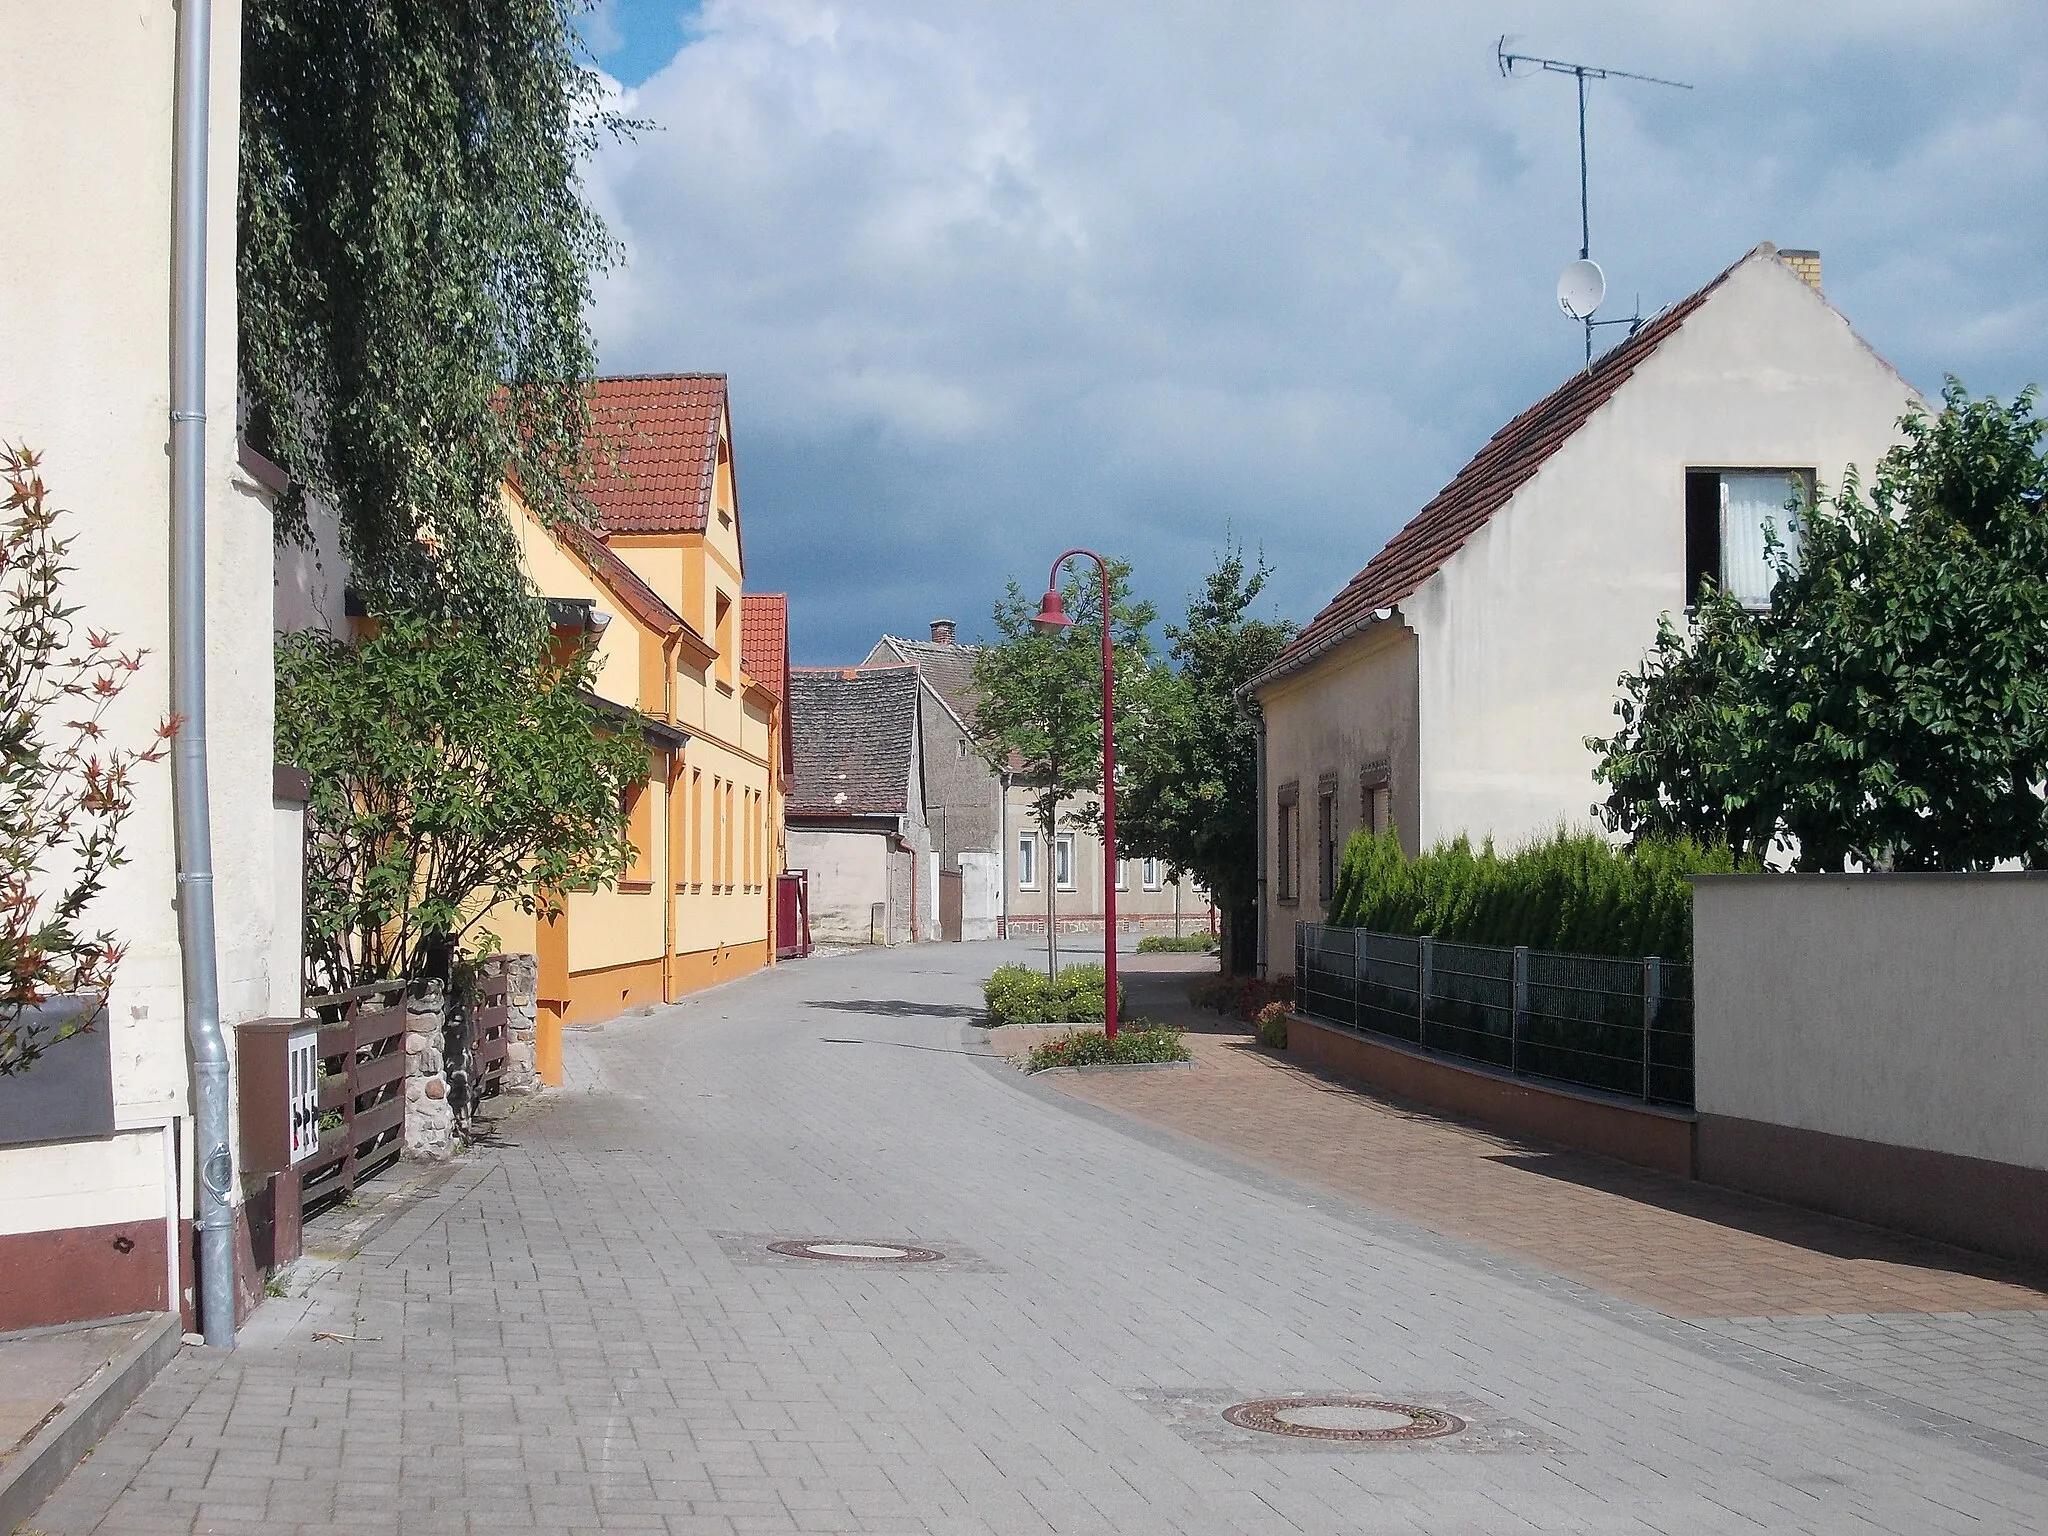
pixel 1050 619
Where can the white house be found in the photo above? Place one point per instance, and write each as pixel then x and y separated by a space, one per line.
pixel 94 1225
pixel 1450 687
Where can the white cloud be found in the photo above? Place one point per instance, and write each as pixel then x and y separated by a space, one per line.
pixel 991 278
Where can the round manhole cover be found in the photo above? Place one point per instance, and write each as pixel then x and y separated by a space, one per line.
pixel 858 1253
pixel 1343 1418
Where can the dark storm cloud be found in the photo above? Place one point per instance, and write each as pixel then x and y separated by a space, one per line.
pixel 993 280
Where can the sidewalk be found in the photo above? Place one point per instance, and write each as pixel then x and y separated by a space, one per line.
pixel 1684 1248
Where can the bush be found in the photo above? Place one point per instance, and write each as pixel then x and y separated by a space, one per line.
pixel 1190 944
pixel 1272 1026
pixel 1241 996
pixel 1017 994
pixel 1140 1045
pixel 1574 892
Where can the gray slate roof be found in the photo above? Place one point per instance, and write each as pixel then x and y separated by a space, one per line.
pixel 948 669
pixel 854 730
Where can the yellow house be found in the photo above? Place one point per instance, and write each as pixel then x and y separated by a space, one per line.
pixel 660 586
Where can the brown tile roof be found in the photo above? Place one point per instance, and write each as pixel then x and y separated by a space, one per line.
pixel 854 729
pixel 638 598
pixel 1483 487
pixel 948 669
pixel 655 447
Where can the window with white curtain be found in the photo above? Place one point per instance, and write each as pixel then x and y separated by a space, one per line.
pixel 1027 862
pixel 1063 862
pixel 1727 514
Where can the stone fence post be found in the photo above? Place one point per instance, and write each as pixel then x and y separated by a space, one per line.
pixel 429 1118
pixel 522 982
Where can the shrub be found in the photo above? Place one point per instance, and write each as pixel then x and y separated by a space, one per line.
pixel 1272 1026
pixel 1140 1045
pixel 1189 944
pixel 1016 994
pixel 1573 892
pixel 1241 996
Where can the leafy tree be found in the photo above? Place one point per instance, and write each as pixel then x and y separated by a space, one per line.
pixel 64 788
pixel 1192 792
pixel 415 262
pixel 1039 710
pixel 450 774
pixel 1890 709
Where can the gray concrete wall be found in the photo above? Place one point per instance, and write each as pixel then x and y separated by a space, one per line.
pixel 1905 1010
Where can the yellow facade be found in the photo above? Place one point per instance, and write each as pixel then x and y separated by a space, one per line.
pixel 696 908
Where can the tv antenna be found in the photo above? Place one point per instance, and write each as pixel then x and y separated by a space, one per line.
pixel 1583 285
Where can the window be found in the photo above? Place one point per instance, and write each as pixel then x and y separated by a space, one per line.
pixel 1123 874
pixel 1726 514
pixel 1063 861
pixel 730 831
pixel 961 744
pixel 1153 875
pixel 1027 862
pixel 678 825
pixel 1326 838
pixel 1287 845
pixel 639 808
pixel 717 832
pixel 1375 799
pixel 721 632
pixel 696 828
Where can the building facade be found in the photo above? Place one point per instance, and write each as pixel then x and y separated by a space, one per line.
pixel 1450 688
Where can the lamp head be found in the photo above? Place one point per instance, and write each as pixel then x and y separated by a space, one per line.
pixel 1051 617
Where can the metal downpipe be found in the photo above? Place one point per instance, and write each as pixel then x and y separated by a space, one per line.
pixel 213 1155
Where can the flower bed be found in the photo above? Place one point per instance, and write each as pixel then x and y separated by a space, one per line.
pixel 1139 1045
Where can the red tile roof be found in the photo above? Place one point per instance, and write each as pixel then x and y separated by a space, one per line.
pixel 1482 488
pixel 764 640
pixel 655 443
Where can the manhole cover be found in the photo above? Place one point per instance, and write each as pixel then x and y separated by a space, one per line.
pixel 858 1253
pixel 1343 1418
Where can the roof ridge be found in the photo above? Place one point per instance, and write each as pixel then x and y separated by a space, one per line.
pixel 1505 462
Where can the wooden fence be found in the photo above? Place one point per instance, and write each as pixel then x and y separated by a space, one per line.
pixel 493 1029
pixel 362 1088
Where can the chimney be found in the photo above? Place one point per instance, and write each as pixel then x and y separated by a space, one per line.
pixel 1806 264
pixel 942 631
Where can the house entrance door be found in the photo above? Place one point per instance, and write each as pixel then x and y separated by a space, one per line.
pixel 949 905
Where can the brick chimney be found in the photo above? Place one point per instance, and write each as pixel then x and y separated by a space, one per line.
pixel 942 631
pixel 1806 264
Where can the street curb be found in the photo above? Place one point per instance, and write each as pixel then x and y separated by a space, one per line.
pixel 64 1442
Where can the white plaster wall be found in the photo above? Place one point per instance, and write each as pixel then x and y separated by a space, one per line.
pixel 85 142
pixel 1904 1009
pixel 849 873
pixel 1523 632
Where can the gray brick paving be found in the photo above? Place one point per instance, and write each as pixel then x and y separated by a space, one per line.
pixel 558 1337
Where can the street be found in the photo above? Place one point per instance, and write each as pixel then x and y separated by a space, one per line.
pixel 582 1328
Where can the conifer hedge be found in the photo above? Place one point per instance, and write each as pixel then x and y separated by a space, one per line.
pixel 1573 893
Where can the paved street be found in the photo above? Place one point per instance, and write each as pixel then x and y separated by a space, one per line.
pixel 583 1329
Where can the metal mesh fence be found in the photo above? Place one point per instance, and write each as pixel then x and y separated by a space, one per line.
pixel 1619 1026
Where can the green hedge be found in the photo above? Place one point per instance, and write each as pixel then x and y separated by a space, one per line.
pixel 1017 994
pixel 1575 893
pixel 1187 944
pixel 1140 1045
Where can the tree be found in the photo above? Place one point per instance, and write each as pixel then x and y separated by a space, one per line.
pixel 64 788
pixel 1039 712
pixel 415 262
pixel 1192 798
pixel 449 774
pixel 1890 708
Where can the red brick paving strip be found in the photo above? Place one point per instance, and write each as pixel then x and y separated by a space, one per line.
pixel 1684 1248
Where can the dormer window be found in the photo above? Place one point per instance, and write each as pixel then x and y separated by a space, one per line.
pixel 1726 514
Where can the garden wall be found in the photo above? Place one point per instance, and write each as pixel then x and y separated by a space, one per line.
pixel 1877 1046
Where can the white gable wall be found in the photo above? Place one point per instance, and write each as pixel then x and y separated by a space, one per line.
pixel 1521 635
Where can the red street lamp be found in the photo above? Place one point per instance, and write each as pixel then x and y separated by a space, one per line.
pixel 1050 619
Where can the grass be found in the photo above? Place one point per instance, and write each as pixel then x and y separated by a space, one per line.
pixel 1165 944
pixel 1139 1044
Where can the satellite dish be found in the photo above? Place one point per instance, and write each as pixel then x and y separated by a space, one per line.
pixel 1580 288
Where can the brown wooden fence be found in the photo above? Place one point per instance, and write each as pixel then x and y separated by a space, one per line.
pixel 493 1031
pixel 362 1088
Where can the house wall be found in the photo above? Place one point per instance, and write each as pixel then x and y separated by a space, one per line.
pixel 1352 711
pixel 1872 1045
pixel 1521 635
pixel 84 326
pixel 849 872
pixel 1080 908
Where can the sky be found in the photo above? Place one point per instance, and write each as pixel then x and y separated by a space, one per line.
pixel 993 280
